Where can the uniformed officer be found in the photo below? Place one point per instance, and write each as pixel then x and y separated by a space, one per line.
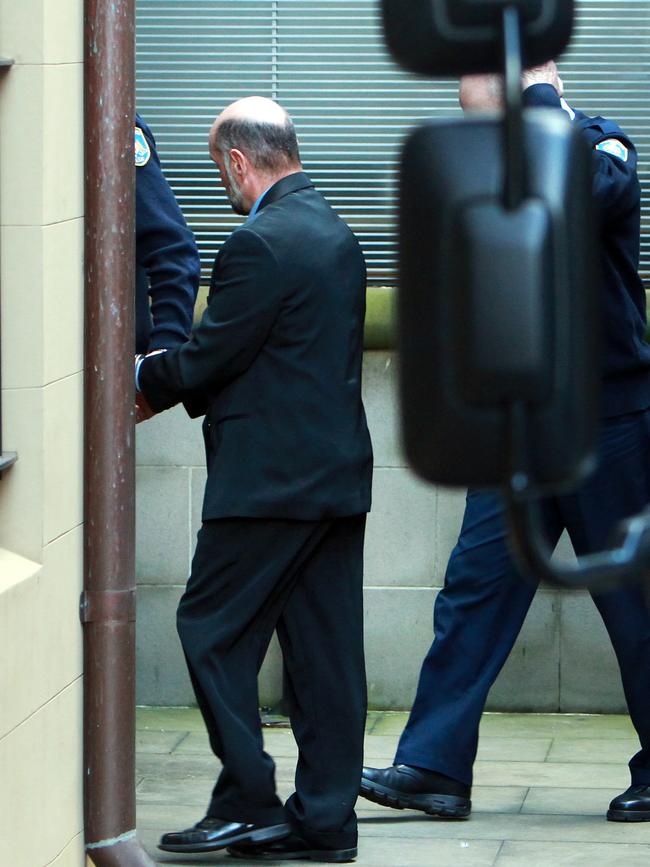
pixel 167 260
pixel 480 610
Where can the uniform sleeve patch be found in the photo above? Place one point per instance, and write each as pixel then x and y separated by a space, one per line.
pixel 142 149
pixel 614 147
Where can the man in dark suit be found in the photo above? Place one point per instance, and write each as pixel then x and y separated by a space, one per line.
pixel 275 365
pixel 480 610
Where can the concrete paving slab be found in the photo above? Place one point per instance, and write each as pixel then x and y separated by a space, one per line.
pixel 180 791
pixel 167 719
pixel 572 775
pixel 378 748
pixel 158 742
pixel 616 750
pixel 507 826
pixel 196 743
pixel 166 817
pixel 378 852
pixel 373 716
pixel 279 742
pixel 189 719
pixel 566 802
pixel 572 855
pixel 390 724
pixel 513 749
pixel 529 725
pixel 498 799
pixel 403 852
pixel 175 766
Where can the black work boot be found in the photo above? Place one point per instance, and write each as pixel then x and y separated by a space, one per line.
pixel 407 787
pixel 632 805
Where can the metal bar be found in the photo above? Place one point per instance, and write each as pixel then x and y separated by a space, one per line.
pixel 627 563
pixel 109 465
pixel 514 154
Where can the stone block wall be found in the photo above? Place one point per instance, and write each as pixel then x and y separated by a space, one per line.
pixel 562 660
pixel 41 496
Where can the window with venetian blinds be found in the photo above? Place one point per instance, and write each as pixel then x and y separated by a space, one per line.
pixel 326 63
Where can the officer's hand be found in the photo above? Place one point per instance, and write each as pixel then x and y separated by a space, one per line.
pixel 143 411
pixel 545 74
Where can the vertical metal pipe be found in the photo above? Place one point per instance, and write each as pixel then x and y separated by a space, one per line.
pixel 108 602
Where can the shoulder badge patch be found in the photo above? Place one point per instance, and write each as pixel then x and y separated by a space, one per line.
pixel 615 147
pixel 142 149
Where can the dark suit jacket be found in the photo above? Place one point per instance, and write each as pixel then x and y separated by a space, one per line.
pixel 275 364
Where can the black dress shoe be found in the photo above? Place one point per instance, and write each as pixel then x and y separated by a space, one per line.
pixel 633 805
pixel 292 848
pixel 406 787
pixel 211 834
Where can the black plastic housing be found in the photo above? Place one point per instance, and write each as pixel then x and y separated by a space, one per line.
pixel 497 307
pixel 456 37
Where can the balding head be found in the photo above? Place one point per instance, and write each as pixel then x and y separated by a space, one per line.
pixel 261 129
pixel 254 144
pixel 256 109
pixel 481 93
pixel 485 92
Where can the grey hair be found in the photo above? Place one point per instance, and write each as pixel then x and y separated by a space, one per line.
pixel 270 147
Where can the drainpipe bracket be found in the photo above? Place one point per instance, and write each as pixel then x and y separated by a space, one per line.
pixel 107 606
pixel 7 459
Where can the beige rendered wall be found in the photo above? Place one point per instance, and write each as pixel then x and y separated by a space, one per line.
pixel 41 198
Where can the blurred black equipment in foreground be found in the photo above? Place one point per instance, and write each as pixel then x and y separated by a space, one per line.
pixel 498 264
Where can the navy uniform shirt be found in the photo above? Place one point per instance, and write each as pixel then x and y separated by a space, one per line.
pixel 167 261
pixel 626 355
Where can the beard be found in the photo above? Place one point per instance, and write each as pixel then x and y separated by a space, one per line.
pixel 233 192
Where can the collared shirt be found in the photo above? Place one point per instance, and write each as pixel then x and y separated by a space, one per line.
pixel 138 364
pixel 256 206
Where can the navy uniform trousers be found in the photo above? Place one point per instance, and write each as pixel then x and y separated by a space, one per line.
pixel 303 578
pixel 479 612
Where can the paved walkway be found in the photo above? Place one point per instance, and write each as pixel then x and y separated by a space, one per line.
pixel 542 785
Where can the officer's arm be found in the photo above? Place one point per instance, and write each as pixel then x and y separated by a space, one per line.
pixel 244 303
pixel 165 247
pixel 615 185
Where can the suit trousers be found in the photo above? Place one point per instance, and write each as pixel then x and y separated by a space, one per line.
pixel 304 579
pixel 481 608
